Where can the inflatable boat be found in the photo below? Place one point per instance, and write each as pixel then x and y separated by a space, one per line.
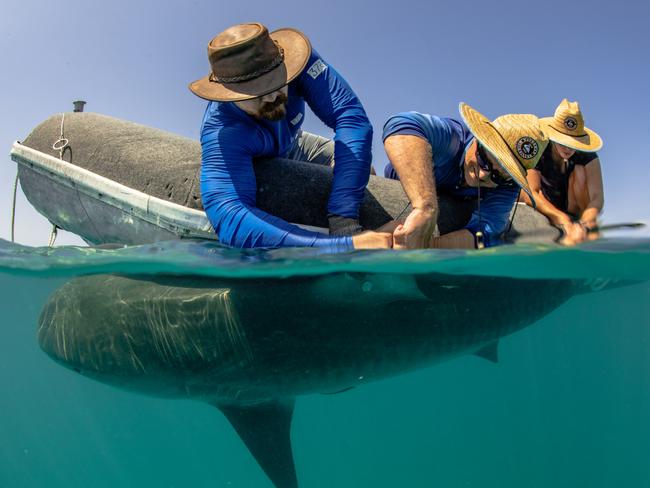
pixel 113 181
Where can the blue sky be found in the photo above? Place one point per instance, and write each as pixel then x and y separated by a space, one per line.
pixel 133 60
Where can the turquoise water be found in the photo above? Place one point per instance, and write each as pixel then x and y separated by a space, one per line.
pixel 568 405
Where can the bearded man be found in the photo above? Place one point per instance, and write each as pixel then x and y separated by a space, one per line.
pixel 258 87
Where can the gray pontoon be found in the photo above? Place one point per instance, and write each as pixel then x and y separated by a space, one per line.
pixel 113 181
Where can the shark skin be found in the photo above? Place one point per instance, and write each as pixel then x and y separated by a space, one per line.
pixel 250 347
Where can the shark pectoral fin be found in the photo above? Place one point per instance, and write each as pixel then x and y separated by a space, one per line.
pixel 265 429
pixel 489 352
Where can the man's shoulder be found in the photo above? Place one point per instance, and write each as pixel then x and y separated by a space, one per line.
pixel 220 116
pixel 435 122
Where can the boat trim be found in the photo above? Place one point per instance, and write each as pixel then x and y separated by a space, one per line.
pixel 185 222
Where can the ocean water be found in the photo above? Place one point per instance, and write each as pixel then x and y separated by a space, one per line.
pixel 568 404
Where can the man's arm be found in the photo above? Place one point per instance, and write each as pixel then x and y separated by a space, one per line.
pixel 596 194
pixel 459 239
pixel 228 189
pixel 335 103
pixel 412 158
pixel 573 232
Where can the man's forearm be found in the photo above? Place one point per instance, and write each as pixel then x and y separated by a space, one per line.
pixel 412 159
pixel 459 239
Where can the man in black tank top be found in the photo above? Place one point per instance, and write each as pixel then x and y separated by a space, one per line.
pixel 567 182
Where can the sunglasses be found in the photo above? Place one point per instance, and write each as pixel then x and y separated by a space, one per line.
pixel 485 164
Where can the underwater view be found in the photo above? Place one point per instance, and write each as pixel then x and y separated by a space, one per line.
pixel 141 366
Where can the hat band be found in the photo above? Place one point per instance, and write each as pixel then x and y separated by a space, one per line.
pixel 568 133
pixel 277 61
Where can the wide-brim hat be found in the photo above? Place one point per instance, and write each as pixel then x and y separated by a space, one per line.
pixel 248 62
pixel 567 127
pixel 516 141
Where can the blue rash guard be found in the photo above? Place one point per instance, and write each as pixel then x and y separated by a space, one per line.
pixel 449 140
pixel 230 139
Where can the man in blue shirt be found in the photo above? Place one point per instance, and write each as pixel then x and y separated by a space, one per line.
pixel 472 158
pixel 257 88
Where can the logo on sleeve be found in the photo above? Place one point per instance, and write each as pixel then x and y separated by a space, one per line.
pixel 317 68
pixel 296 119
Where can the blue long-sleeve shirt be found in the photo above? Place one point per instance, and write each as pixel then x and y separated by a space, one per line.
pixel 449 140
pixel 230 139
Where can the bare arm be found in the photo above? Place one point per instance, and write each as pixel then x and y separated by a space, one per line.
pixel 412 158
pixel 373 240
pixel 596 194
pixel 459 239
pixel 574 233
pixel 546 208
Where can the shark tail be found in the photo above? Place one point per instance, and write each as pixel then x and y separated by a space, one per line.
pixel 265 428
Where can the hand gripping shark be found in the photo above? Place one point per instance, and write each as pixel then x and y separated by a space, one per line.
pixel 250 347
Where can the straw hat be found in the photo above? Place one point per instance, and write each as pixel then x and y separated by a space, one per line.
pixel 248 62
pixel 567 127
pixel 516 141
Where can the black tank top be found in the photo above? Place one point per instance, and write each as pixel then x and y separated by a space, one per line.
pixel 555 177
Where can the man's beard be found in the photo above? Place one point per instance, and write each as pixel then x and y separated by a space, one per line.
pixel 275 110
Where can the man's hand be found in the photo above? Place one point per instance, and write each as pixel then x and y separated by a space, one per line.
pixel 574 233
pixel 373 240
pixel 417 229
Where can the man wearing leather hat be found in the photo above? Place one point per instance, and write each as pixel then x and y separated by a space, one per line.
pixel 257 88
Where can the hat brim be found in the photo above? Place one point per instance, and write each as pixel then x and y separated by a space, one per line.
pixel 491 140
pixel 591 142
pixel 297 50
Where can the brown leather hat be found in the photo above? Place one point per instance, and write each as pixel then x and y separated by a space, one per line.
pixel 248 62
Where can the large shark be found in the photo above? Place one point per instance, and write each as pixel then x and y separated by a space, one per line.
pixel 250 347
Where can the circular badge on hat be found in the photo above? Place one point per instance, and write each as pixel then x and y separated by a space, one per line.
pixel 570 123
pixel 527 147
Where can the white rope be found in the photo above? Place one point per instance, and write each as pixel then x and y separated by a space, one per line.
pixel 61 143
pixel 478 237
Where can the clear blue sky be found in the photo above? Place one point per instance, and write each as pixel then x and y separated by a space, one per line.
pixel 134 59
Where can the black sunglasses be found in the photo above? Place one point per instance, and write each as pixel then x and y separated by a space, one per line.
pixel 485 164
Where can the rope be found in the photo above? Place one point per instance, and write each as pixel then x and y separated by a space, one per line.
pixel 61 143
pixel 53 235
pixel 479 235
pixel 13 209
pixel 512 218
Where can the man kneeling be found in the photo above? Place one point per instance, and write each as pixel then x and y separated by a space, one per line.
pixel 471 158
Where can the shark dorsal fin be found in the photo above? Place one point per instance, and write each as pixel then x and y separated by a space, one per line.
pixel 265 429
pixel 489 352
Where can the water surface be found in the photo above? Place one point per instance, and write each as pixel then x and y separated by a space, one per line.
pixel 568 405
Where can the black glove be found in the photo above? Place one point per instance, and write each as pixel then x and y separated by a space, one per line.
pixel 343 226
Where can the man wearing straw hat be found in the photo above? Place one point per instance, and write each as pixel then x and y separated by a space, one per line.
pixel 567 183
pixel 469 158
pixel 257 88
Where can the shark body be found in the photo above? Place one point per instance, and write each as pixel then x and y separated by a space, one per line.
pixel 251 347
